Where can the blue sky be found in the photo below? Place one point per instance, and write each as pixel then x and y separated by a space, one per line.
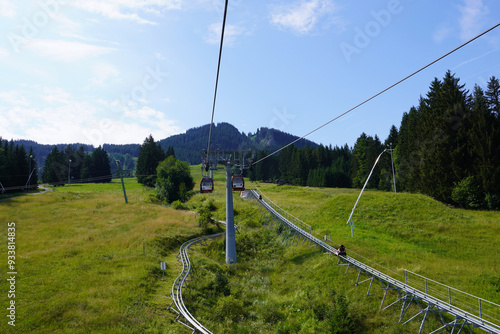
pixel 115 71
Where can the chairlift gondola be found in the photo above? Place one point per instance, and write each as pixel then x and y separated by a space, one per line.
pixel 206 185
pixel 238 183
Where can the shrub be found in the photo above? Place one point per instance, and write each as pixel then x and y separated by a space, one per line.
pixel 174 180
pixel 492 202
pixel 178 205
pixel 468 194
pixel 205 217
pixel 341 321
pixel 210 205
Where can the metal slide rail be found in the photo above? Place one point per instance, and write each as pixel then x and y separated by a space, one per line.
pixel 407 293
pixel 180 282
pixel 296 221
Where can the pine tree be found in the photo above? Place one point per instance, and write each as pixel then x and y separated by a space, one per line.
pixel 101 168
pixel 3 167
pixel 87 168
pixel 170 152
pixel 150 155
pixel 444 157
pixel 493 96
pixel 406 153
pixel 55 169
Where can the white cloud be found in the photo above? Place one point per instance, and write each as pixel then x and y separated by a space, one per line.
pixel 230 33
pixel 60 118
pixel 7 8
pixel 302 16
pixel 159 56
pixel 65 51
pixel 4 53
pixel 102 72
pixel 132 127
pixel 471 21
pixel 128 9
pixel 14 98
pixel 55 95
pixel 442 33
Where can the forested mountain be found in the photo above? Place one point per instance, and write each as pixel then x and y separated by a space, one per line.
pixel 188 146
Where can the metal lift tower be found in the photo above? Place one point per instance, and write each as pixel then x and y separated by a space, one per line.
pixel 228 159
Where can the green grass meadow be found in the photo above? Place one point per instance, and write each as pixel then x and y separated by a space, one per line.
pixel 87 262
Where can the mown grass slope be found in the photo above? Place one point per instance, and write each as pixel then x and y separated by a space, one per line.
pixel 89 263
pixel 406 231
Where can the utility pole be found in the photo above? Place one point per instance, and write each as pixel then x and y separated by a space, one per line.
pixel 69 171
pixel 121 176
pixel 29 177
pixel 228 159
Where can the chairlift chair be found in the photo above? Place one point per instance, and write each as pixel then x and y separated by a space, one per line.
pixel 238 183
pixel 206 185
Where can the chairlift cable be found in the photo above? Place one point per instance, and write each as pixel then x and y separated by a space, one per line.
pixel 382 91
pixel 217 77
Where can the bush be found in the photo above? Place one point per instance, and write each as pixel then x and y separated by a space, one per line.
pixel 174 180
pixel 178 205
pixel 468 194
pixel 341 321
pixel 151 198
pixel 211 205
pixel 205 212
pixel 492 202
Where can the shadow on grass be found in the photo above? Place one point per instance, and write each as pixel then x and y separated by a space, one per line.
pixel 300 259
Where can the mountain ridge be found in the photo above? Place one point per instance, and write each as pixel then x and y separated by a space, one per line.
pixel 188 145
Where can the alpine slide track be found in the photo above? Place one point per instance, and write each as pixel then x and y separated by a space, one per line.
pixel 457 311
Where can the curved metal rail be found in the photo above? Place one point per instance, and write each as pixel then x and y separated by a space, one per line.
pixel 406 293
pixel 180 282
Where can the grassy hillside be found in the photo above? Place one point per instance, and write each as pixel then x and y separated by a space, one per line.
pixel 406 231
pixel 89 263
pixel 298 289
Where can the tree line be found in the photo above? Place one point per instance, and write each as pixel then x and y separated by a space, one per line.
pixel 317 167
pixel 18 169
pixel 78 166
pixel 447 147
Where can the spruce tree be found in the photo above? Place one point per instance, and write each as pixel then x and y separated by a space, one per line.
pixel 150 155
pixel 101 168
pixel 54 171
